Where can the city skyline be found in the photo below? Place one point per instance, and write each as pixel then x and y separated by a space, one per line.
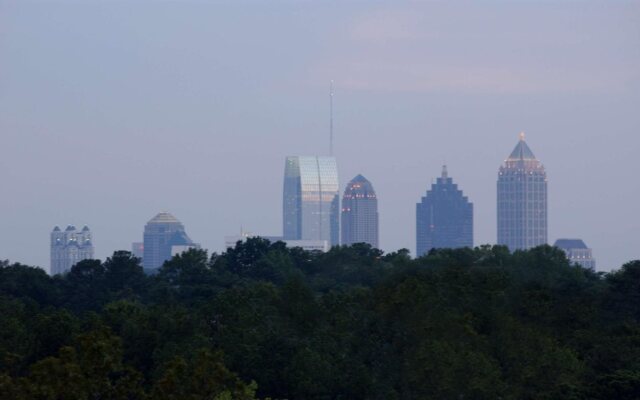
pixel 132 102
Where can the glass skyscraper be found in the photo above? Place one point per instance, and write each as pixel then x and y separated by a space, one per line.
pixel 444 217
pixel 161 234
pixel 310 206
pixel 522 200
pixel 359 213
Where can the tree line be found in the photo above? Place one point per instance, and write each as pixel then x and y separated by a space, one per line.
pixel 265 321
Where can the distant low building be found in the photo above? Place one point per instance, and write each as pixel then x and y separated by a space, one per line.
pixel 308 245
pixel 68 247
pixel 577 252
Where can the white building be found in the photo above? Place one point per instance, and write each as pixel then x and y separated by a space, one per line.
pixel 69 247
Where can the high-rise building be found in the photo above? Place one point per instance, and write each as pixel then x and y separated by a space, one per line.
pixel 310 205
pixel 359 213
pixel 444 217
pixel 69 247
pixel 162 234
pixel 522 200
pixel 577 252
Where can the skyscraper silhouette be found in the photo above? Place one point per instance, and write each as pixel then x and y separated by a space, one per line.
pixel 310 206
pixel 444 217
pixel 69 247
pixel 522 200
pixel 359 213
pixel 162 233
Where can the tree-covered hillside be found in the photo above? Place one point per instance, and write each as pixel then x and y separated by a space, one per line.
pixel 265 321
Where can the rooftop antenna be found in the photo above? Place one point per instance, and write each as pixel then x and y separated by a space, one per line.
pixel 331 118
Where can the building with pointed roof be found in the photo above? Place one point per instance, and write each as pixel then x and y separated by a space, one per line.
pixel 444 217
pixel 163 236
pixel 522 200
pixel 69 247
pixel 359 213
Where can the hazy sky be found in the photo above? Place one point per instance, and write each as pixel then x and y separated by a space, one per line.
pixel 113 111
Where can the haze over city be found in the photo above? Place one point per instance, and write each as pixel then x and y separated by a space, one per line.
pixel 113 112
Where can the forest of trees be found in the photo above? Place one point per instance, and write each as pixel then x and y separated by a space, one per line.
pixel 266 321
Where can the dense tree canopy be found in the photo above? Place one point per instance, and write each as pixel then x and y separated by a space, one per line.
pixel 265 321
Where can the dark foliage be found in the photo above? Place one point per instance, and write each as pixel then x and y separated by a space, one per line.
pixel 262 320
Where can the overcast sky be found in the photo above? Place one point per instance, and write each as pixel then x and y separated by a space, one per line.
pixel 113 111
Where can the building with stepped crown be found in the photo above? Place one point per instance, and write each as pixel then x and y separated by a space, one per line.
pixel 522 200
pixel 310 201
pixel 359 218
pixel 444 217
pixel 68 247
pixel 577 252
pixel 164 236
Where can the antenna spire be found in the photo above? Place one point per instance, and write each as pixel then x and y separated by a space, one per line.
pixel 331 118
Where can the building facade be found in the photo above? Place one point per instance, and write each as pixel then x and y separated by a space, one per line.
pixel 161 234
pixel 359 219
pixel 310 206
pixel 68 247
pixel 444 217
pixel 522 200
pixel 577 252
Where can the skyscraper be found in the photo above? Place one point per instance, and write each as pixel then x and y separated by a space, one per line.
pixel 161 234
pixel 310 206
pixel 359 213
pixel 69 247
pixel 577 252
pixel 444 217
pixel 522 200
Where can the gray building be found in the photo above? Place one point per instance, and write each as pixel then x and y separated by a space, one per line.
pixel 522 200
pixel 68 247
pixel 359 213
pixel 577 252
pixel 310 206
pixel 444 217
pixel 162 234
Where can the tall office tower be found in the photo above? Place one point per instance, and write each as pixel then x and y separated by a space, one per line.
pixel 162 234
pixel 444 217
pixel 311 204
pixel 69 247
pixel 522 200
pixel 359 213
pixel 577 252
